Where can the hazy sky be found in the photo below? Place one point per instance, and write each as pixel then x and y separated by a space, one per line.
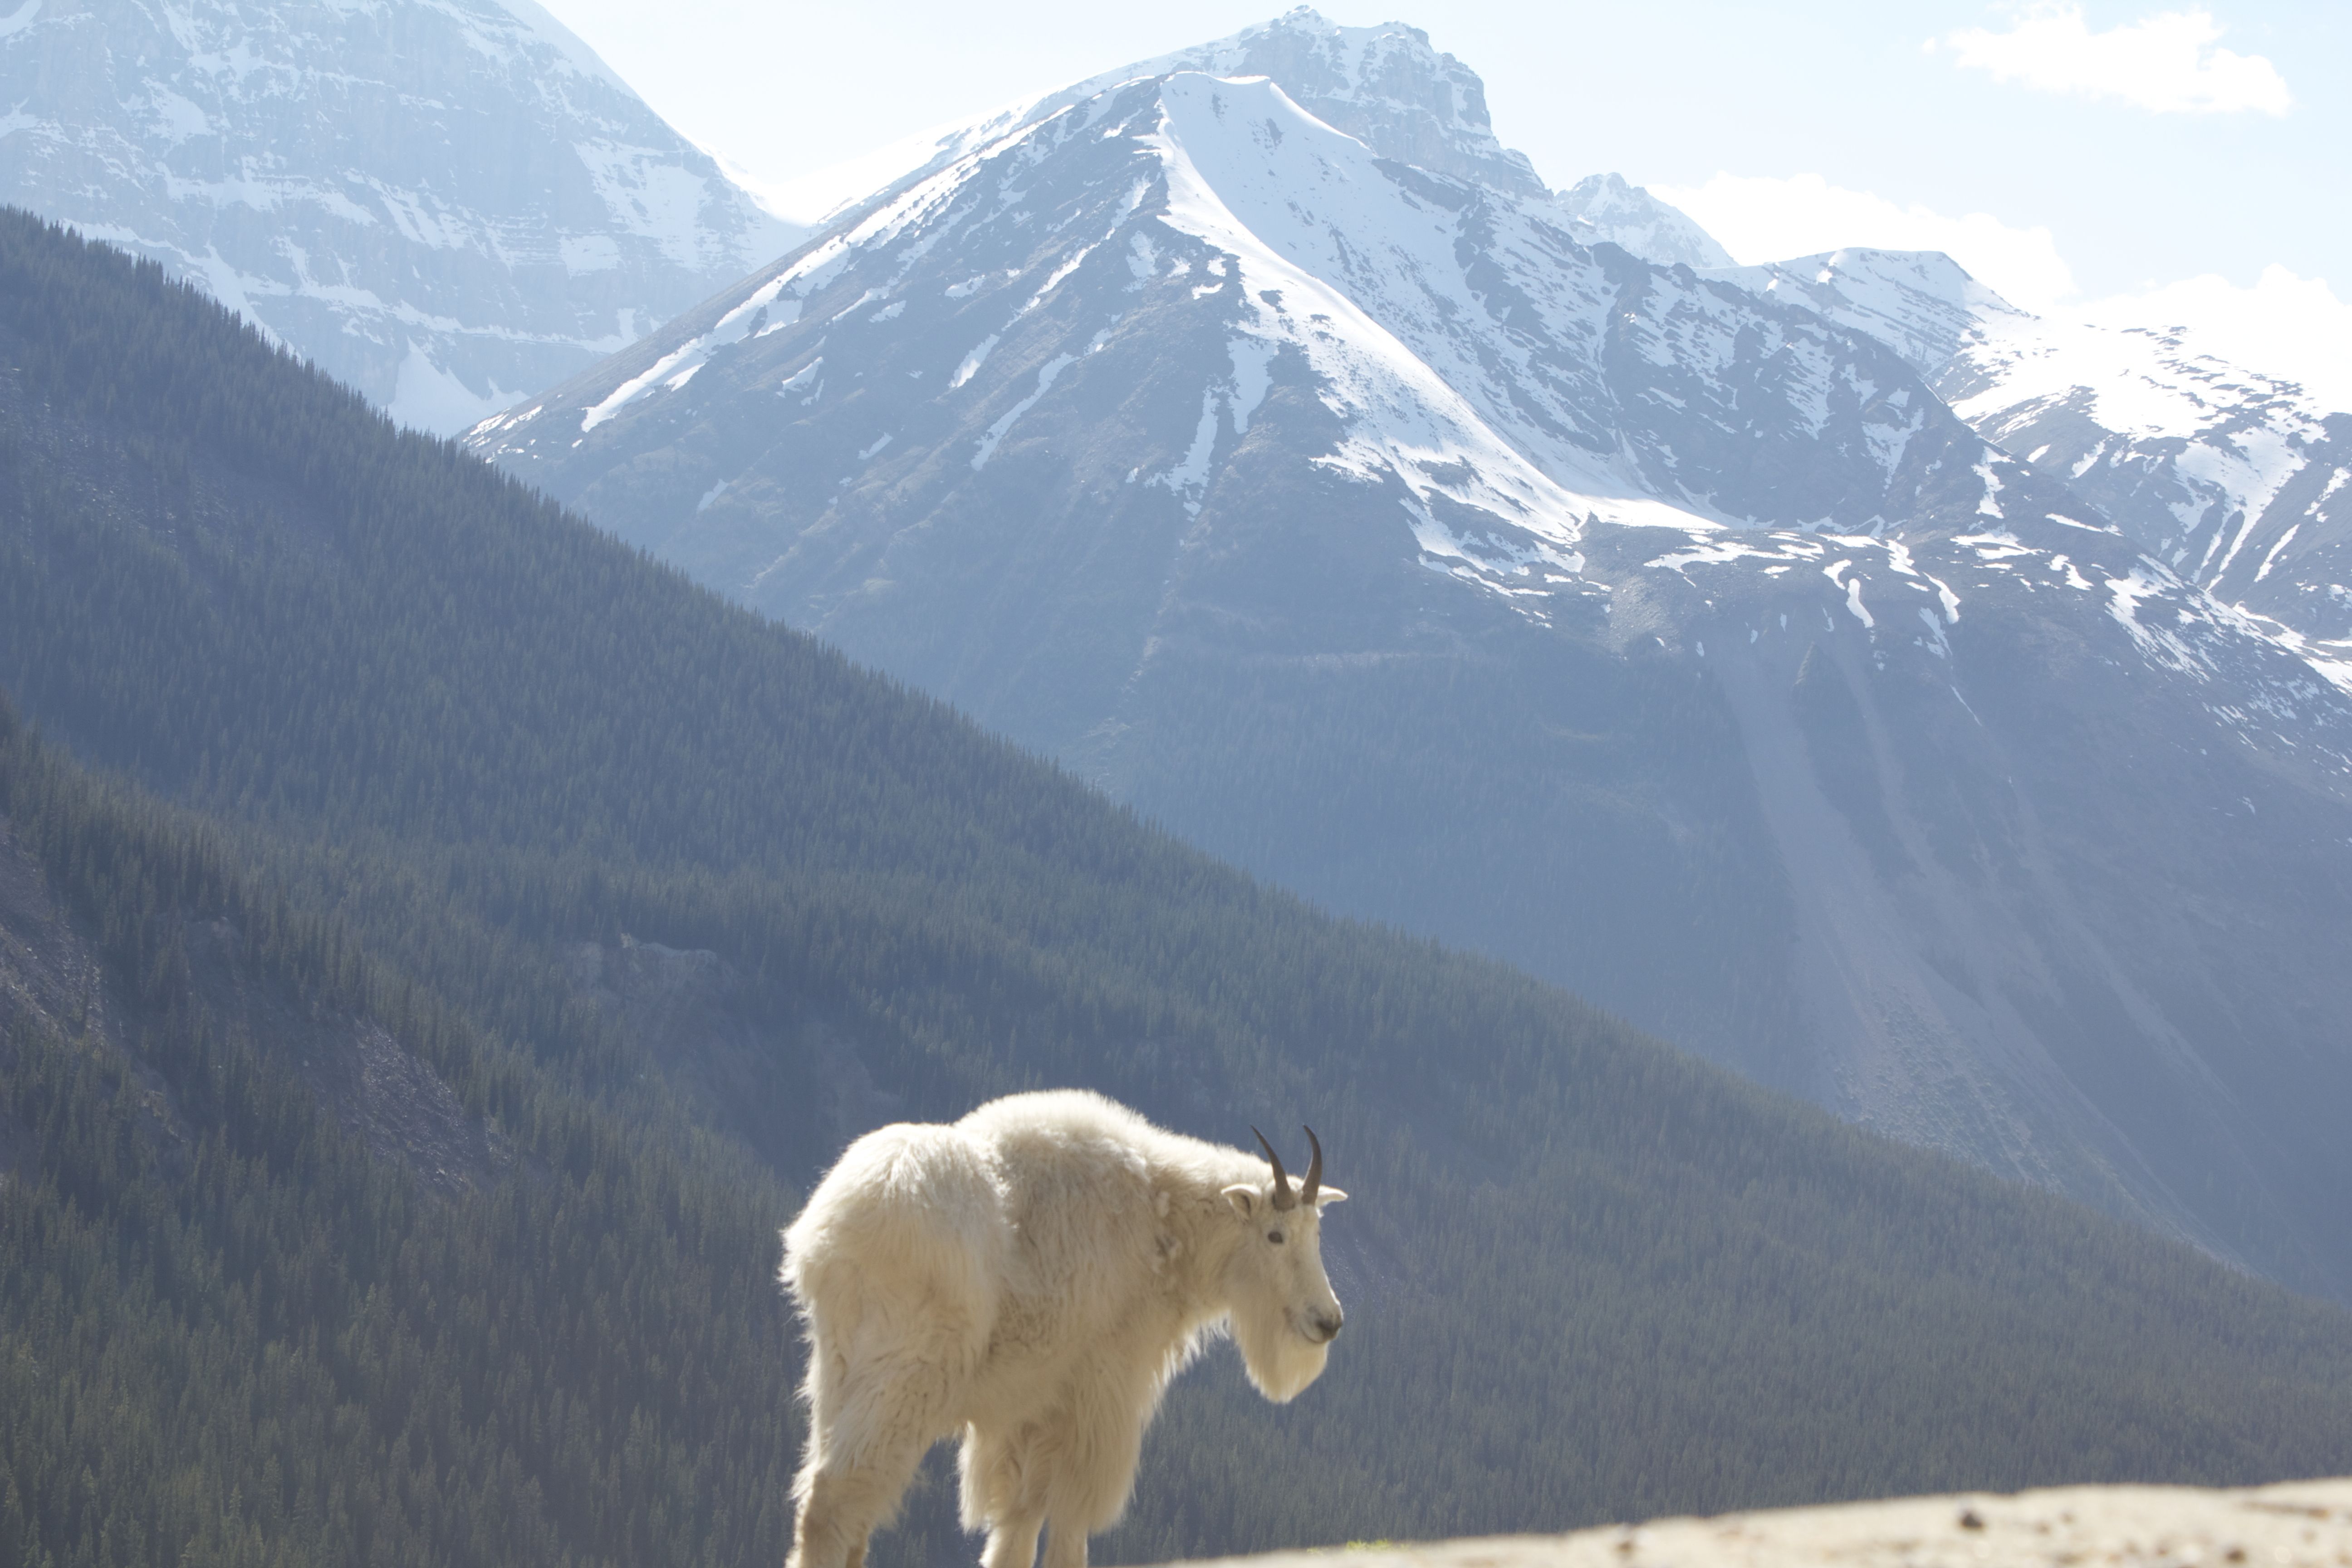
pixel 2065 151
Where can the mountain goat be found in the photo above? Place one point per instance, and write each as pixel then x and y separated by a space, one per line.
pixel 1033 1276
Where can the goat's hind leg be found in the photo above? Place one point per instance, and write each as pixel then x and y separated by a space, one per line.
pixel 821 1535
pixel 847 1493
pixel 839 1510
pixel 869 1429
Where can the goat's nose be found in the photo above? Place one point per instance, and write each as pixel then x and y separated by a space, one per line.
pixel 1328 1325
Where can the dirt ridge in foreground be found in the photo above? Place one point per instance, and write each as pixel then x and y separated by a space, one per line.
pixel 2293 1524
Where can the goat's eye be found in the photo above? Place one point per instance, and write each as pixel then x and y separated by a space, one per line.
pixel 1274 1236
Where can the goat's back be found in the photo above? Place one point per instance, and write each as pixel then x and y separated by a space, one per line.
pixel 909 1212
pixel 1037 1223
pixel 1084 1184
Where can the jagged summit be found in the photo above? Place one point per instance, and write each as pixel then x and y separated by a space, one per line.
pixel 1605 207
pixel 1386 86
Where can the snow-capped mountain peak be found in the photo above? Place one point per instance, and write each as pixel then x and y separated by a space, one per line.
pixel 1604 207
pixel 1238 194
pixel 319 165
pixel 1386 86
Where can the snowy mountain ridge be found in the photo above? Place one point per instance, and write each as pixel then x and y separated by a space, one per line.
pixel 318 167
pixel 2234 479
pixel 1356 266
pixel 1921 303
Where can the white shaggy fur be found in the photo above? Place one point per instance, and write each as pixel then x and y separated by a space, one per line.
pixel 1031 1278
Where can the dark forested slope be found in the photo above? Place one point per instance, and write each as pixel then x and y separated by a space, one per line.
pixel 526 924
pixel 298 1267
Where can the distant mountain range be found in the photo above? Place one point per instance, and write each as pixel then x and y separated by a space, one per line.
pixel 446 203
pixel 1270 446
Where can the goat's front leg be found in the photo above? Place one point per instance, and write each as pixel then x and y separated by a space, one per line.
pixel 1012 1544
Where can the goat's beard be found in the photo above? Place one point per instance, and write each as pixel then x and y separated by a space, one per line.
pixel 1280 1360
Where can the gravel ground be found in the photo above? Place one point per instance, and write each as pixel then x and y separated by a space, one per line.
pixel 2297 1524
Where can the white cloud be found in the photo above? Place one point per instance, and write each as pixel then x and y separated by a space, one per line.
pixel 1762 219
pixel 2293 328
pixel 2165 63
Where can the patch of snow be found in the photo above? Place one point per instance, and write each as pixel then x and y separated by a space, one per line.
pixel 1142 259
pixel 986 447
pixel 802 377
pixel 2271 559
pixel 1190 477
pixel 2160 644
pixel 972 362
pixel 1253 373
pixel 676 368
pixel 1951 602
pixel 1989 505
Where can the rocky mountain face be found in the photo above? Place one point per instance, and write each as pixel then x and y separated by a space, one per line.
pixel 1384 86
pixel 1661 632
pixel 2236 479
pixel 446 203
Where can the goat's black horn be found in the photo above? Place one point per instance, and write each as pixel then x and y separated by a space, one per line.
pixel 1283 1196
pixel 1313 1171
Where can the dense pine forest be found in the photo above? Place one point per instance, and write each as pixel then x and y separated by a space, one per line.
pixel 437 945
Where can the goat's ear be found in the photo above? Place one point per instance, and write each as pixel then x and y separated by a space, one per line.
pixel 1325 1196
pixel 1243 1199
